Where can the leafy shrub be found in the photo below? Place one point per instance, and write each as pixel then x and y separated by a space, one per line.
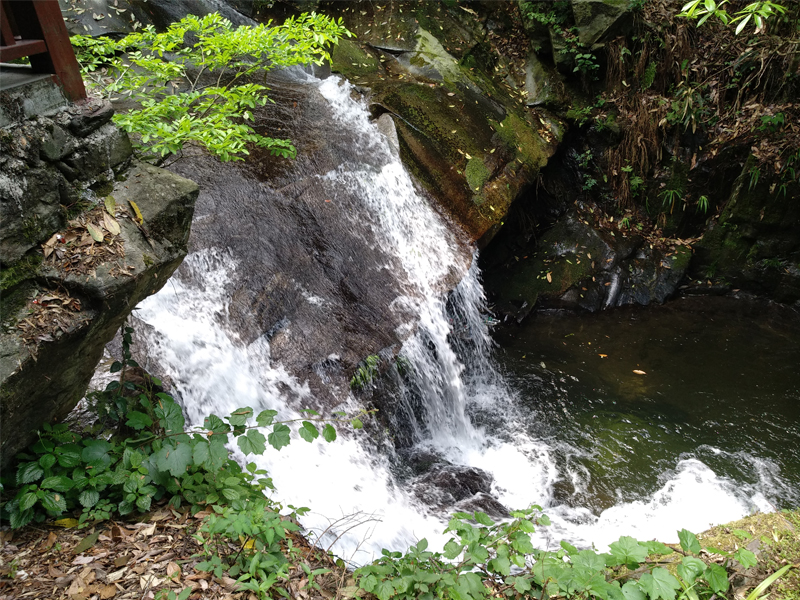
pixel 100 477
pixel 203 92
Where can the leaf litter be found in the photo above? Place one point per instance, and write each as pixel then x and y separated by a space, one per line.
pixel 125 560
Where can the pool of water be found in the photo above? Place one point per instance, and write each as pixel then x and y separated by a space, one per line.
pixel 626 396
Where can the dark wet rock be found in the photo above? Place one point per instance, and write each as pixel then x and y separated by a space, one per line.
pixel 314 281
pixel 46 167
pixel 574 265
pixel 482 502
pixel 755 243
pixel 445 485
pixel 90 118
pixel 599 21
pixel 43 377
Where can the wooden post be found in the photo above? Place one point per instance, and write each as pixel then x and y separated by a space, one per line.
pixel 43 37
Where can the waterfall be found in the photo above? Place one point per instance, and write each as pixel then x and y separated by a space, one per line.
pixel 457 409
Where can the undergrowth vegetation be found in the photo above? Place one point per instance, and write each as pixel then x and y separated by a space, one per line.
pixel 689 92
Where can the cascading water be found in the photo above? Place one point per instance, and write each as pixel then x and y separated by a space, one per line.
pixel 457 411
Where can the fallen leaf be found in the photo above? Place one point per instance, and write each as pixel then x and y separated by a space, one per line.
pixel 86 543
pixel 111 224
pixel 95 232
pixel 137 212
pixel 106 591
pixel 121 561
pixel 111 204
pixel 549 277
pixel 48 543
pixel 639 372
pixel 173 571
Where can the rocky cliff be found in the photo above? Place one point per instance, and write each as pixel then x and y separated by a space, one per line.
pixel 86 232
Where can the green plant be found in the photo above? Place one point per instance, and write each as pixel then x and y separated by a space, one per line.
pixel 755 175
pixel 153 457
pixel 758 11
pixel 484 559
pixel 702 203
pixel 203 93
pixel 669 198
pixel 586 63
pixel 772 123
pixel 649 75
pixel 366 372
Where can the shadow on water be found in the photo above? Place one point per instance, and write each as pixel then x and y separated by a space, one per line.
pixel 719 383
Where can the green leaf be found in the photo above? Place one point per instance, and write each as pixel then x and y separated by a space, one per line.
pixel 252 442
pixel 58 483
pixel 632 591
pixel 19 519
pixel 215 424
pixel 265 417
pixel 746 558
pixel 280 436
pixel 357 424
pixel 588 559
pixel 29 472
pixel 239 417
pixel 657 548
pixel 689 541
pixel 329 433
pixel 384 590
pixel 628 551
pixel 143 503
pixel 54 502
pixel 308 431
pixel 138 420
pixel 69 455
pixel 175 459
pixel 219 454
pixel 200 453
pixel 96 453
pixel 27 501
pixel 690 568
pixel 659 584
pixel 47 461
pixel 483 519
pixel 452 550
pixel 169 414
pixel 88 498
pixel 230 494
pixel 717 578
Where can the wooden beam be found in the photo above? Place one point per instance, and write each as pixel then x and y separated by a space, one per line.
pixel 6 32
pixel 62 57
pixel 22 48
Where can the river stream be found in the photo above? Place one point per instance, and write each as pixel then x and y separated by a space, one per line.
pixel 542 419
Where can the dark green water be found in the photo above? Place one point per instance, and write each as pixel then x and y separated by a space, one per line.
pixel 721 385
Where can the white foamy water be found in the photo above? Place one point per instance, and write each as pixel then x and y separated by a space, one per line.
pixel 467 412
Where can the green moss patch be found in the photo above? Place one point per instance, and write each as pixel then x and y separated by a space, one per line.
pixel 23 269
pixel 350 59
pixel 476 174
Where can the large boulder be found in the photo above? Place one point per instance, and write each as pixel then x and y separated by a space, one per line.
pixel 67 180
pixel 755 243
pixel 460 107
pixel 577 265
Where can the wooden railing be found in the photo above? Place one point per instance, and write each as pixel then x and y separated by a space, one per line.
pixel 35 28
